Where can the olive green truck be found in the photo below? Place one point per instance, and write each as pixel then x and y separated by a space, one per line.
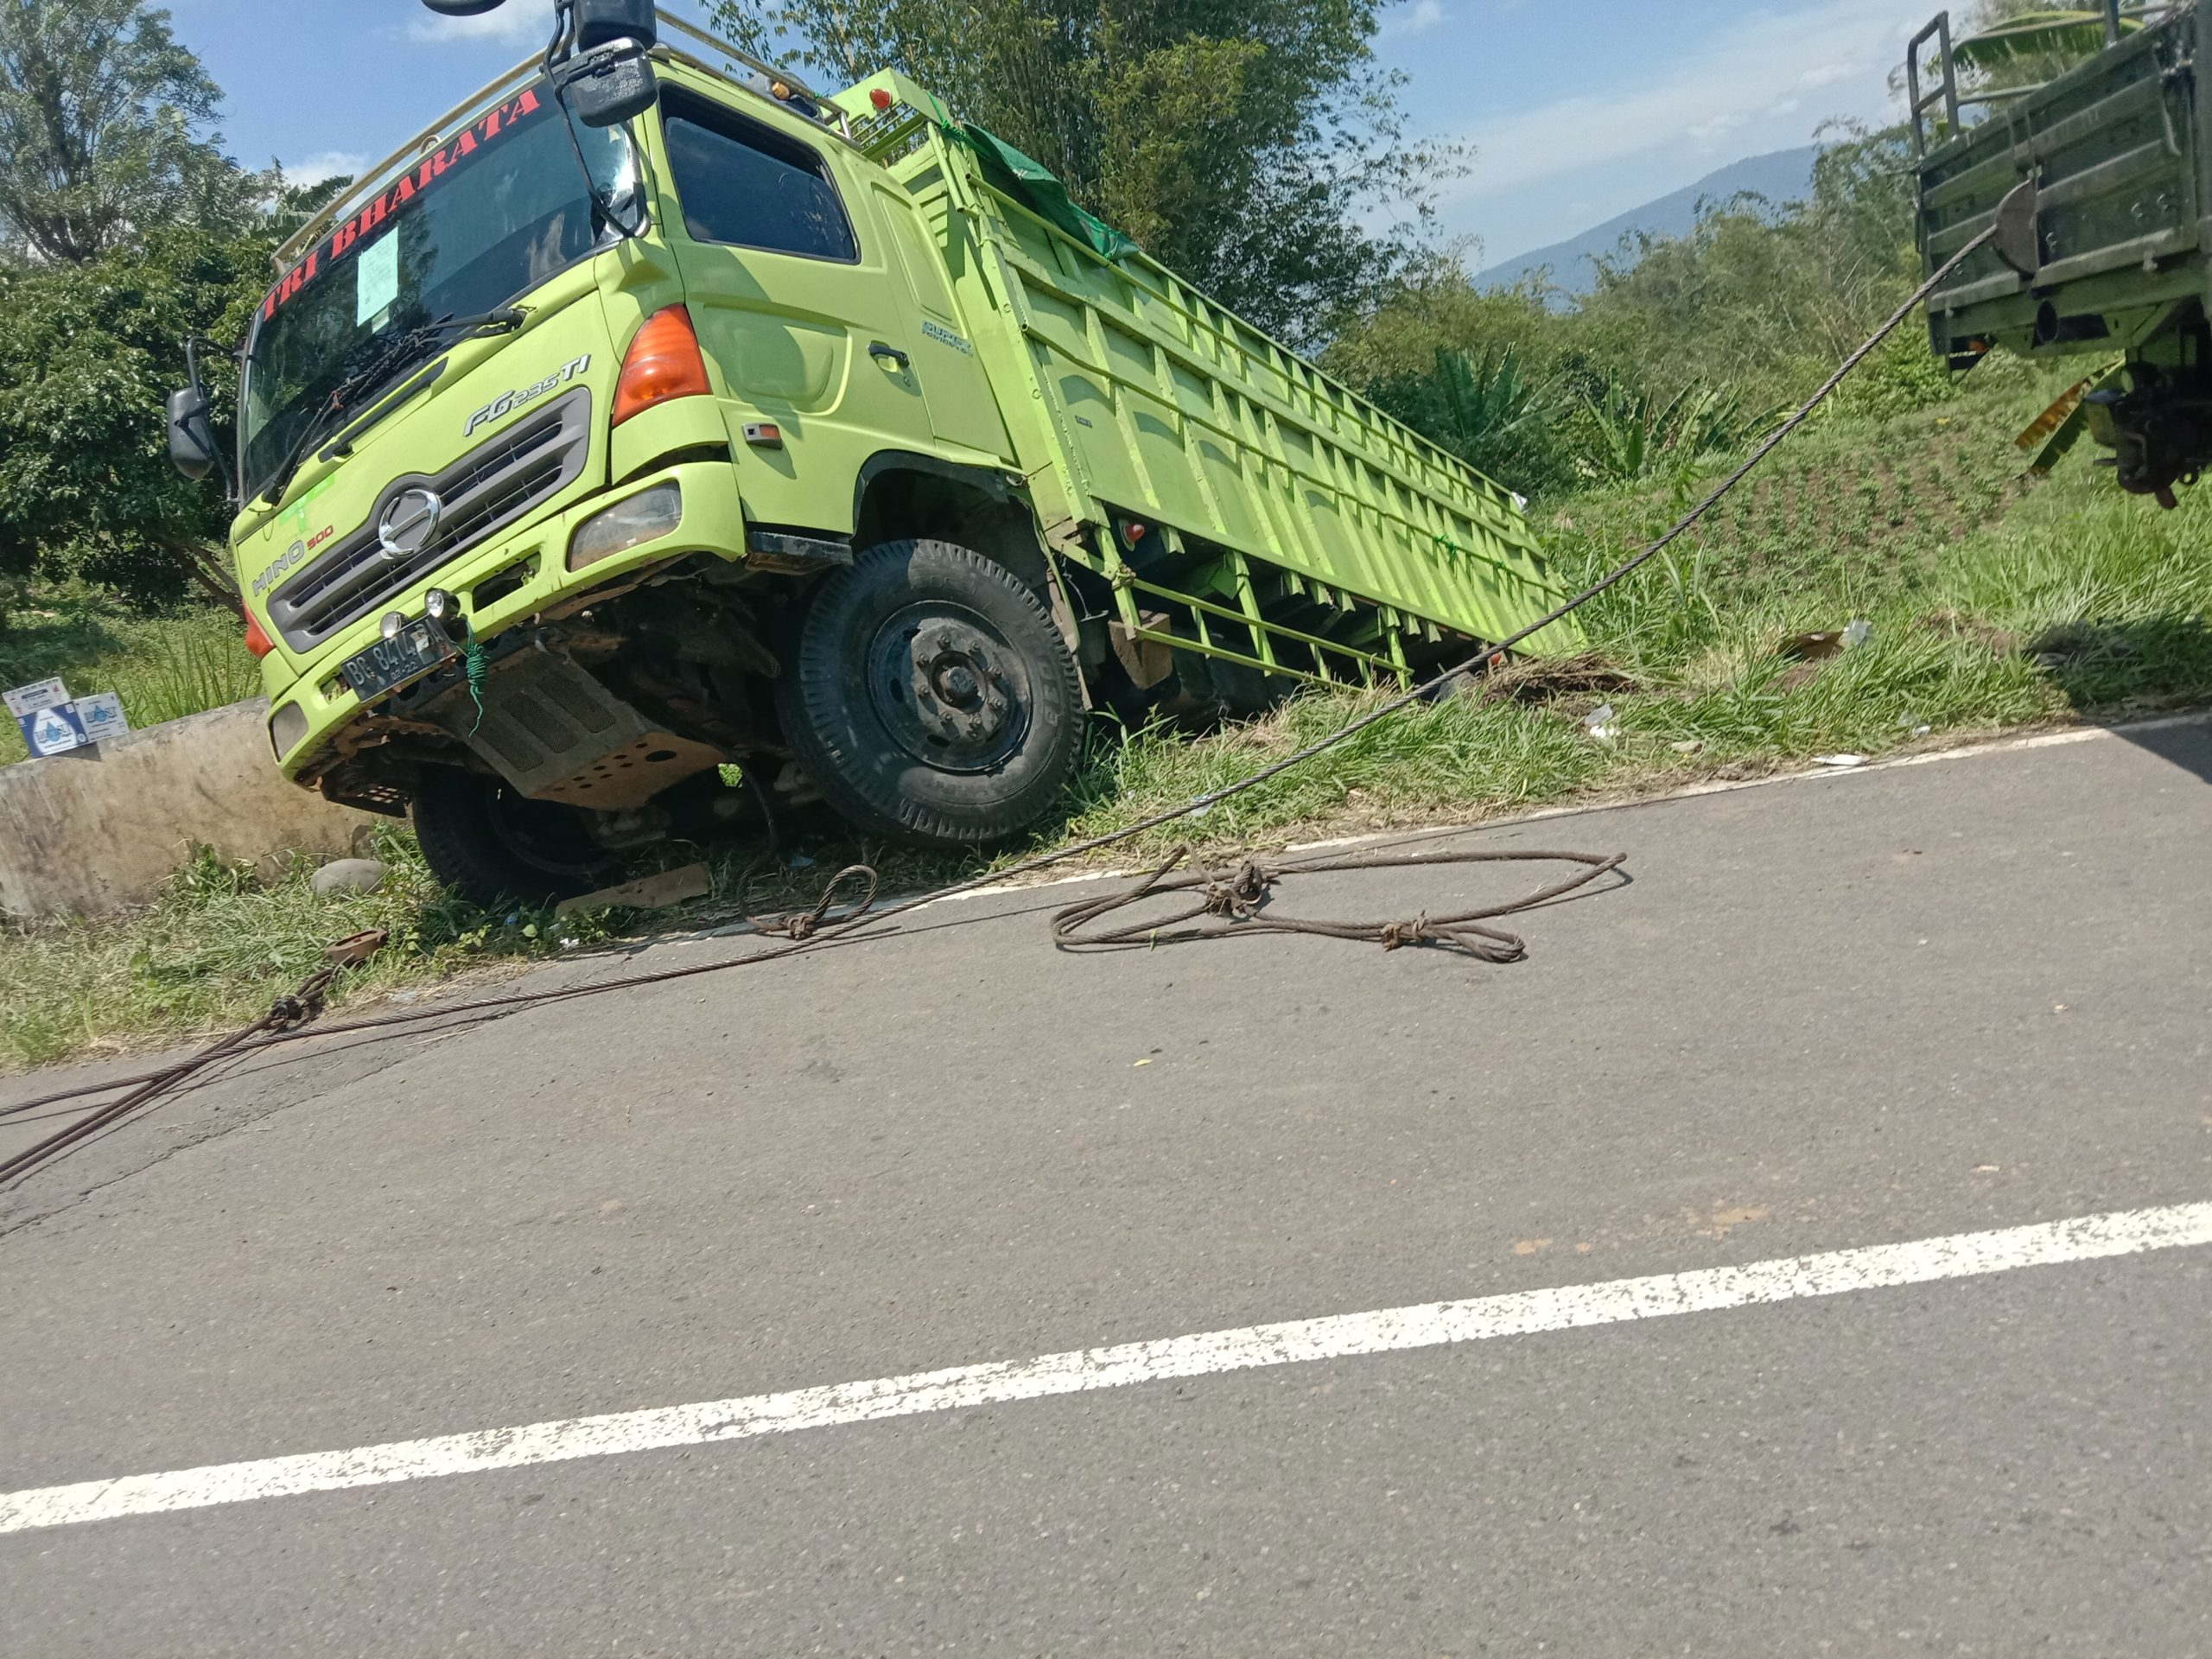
pixel 652 445
pixel 2097 186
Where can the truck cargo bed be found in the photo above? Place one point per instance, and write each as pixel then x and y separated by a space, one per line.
pixel 1238 502
pixel 2113 150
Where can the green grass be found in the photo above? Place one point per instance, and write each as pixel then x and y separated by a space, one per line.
pixel 1991 603
pixel 212 951
pixel 163 668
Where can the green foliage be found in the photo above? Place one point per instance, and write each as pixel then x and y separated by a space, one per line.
pixel 102 115
pixel 1641 435
pixel 87 354
pixel 123 230
pixel 1902 377
pixel 1429 309
pixel 212 951
pixel 1246 143
pixel 2022 43
pixel 1763 295
pixel 1749 311
pixel 181 662
pixel 1489 410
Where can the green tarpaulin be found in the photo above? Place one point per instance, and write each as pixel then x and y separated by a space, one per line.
pixel 1032 183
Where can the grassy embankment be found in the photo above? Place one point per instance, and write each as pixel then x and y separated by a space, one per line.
pixel 162 667
pixel 1991 603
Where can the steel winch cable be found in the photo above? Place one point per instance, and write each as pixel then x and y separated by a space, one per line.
pixel 1237 900
pixel 291 1018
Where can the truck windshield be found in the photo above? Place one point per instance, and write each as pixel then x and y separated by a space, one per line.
pixel 477 225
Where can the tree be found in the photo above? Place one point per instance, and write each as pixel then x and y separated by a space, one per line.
pixel 87 354
pixel 1681 341
pixel 103 129
pixel 1245 144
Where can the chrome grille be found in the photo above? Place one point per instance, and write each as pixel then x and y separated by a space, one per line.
pixel 484 492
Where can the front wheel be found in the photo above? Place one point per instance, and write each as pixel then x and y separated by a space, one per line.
pixel 493 846
pixel 931 699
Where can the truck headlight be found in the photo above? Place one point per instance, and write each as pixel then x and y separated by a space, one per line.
pixel 644 517
pixel 286 728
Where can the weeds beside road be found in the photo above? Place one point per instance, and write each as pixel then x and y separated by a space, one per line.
pixel 1990 603
pixel 163 668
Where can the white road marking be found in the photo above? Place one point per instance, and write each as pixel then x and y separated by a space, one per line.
pixel 1962 1255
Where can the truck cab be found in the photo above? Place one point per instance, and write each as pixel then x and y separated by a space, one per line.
pixel 548 436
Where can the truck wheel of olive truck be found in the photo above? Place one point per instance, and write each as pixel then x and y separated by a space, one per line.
pixel 930 698
pixel 492 846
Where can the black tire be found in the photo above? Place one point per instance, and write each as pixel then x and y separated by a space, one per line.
pixel 930 698
pixel 494 847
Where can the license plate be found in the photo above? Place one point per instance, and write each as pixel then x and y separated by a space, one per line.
pixel 390 663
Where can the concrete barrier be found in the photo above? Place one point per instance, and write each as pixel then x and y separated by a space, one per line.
pixel 101 828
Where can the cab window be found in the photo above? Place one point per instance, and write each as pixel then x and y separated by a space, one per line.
pixel 744 184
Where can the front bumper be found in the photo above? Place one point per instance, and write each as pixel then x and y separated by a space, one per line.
pixel 310 713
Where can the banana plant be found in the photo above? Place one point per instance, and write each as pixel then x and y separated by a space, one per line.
pixel 2068 31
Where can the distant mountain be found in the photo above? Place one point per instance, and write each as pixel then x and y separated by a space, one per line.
pixel 1784 175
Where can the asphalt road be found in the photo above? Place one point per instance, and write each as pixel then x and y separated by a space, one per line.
pixel 1864 1010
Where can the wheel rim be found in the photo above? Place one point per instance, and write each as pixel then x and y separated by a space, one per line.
pixel 948 688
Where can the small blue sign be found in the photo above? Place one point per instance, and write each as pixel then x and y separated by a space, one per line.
pixel 52 731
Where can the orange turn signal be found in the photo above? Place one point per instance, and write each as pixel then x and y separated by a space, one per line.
pixel 663 362
pixel 256 636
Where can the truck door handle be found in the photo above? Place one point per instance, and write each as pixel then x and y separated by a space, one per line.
pixel 880 350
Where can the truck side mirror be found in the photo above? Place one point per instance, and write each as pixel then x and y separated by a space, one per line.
pixel 600 22
pixel 192 434
pixel 611 84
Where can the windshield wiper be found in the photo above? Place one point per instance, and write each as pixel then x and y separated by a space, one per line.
pixel 399 353
pixel 483 326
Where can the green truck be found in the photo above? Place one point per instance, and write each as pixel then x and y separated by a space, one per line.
pixel 2096 184
pixel 653 444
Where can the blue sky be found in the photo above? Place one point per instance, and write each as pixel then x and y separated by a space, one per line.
pixel 1577 109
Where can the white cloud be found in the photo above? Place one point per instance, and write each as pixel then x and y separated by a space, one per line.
pixel 518 22
pixel 1717 126
pixel 324 164
pixel 1418 18
pixel 1827 74
pixel 1698 99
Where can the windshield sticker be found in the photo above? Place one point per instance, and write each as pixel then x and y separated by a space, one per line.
pixel 506 404
pixel 343 240
pixel 376 279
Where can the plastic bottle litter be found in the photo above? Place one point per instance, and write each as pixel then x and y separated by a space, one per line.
pixel 1856 632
